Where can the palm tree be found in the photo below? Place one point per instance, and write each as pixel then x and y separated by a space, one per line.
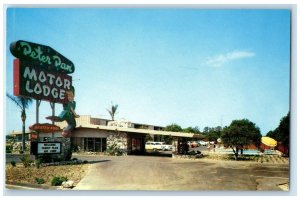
pixel 22 103
pixel 112 111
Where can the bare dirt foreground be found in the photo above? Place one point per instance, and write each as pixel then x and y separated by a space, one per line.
pixel 21 175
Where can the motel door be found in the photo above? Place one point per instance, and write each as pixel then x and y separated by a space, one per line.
pixel 137 145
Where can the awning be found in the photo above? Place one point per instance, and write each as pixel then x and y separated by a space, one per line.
pixel 142 131
pixel 269 141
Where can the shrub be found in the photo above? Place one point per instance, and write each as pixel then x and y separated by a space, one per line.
pixel 73 159
pixel 57 159
pixel 38 163
pixel 39 180
pixel 114 150
pixel 25 159
pixel 9 148
pixel 57 180
pixel 85 162
pixel 76 148
pixel 46 158
pixel 13 163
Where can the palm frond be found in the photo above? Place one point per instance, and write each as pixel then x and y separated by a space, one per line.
pixel 21 102
pixel 15 100
pixel 112 111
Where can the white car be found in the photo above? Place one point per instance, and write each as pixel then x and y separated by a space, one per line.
pixel 167 147
pixel 158 146
pixel 203 143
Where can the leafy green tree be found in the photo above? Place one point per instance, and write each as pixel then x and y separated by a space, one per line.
pixel 23 103
pixel 282 132
pixel 206 130
pixel 218 129
pixel 239 134
pixel 274 134
pixel 173 128
pixel 192 130
pixel 112 111
pixel 213 135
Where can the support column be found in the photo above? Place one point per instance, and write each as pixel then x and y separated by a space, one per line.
pixel 37 114
pixel 94 144
pixel 101 145
pixel 175 146
pixel 53 114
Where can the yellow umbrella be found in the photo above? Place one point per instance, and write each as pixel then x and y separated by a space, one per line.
pixel 269 141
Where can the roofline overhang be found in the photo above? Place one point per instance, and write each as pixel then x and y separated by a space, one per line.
pixel 142 131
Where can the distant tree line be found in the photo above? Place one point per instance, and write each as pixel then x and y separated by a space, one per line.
pixel 212 133
pixel 238 135
pixel 177 128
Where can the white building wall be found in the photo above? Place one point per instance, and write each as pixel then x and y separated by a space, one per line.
pixel 81 133
pixel 92 133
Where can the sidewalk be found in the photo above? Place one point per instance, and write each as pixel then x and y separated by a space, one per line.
pixel 27 186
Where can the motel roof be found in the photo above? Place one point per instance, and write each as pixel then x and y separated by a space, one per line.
pixel 142 131
pixel 84 121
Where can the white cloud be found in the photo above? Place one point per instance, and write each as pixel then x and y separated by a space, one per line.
pixel 221 59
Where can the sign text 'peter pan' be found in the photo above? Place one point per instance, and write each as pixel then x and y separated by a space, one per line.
pixel 47 57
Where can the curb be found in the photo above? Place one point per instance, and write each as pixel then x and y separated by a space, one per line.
pixel 27 186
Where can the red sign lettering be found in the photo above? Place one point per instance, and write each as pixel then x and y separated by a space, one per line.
pixel 45 128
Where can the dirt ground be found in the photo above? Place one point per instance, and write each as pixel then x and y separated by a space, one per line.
pixel 20 174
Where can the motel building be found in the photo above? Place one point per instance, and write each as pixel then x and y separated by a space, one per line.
pixel 95 135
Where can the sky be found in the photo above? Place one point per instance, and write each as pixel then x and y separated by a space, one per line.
pixel 192 67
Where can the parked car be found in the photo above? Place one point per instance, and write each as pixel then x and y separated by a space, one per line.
pixel 193 144
pixel 167 147
pixel 158 146
pixel 203 143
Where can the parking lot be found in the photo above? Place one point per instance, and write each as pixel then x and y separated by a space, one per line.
pixel 165 173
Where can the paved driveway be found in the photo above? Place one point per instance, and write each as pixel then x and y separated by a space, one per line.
pixel 164 173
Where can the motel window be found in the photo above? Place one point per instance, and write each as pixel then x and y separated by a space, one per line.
pixel 95 144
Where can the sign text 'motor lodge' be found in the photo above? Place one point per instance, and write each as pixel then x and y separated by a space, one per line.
pixel 34 82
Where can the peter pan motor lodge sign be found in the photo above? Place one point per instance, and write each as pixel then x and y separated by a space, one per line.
pixel 40 72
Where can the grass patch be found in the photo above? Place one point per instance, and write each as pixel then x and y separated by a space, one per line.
pixel 39 180
pixel 58 180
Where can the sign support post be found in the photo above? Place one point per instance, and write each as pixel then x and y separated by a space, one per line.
pixel 38 102
pixel 52 104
